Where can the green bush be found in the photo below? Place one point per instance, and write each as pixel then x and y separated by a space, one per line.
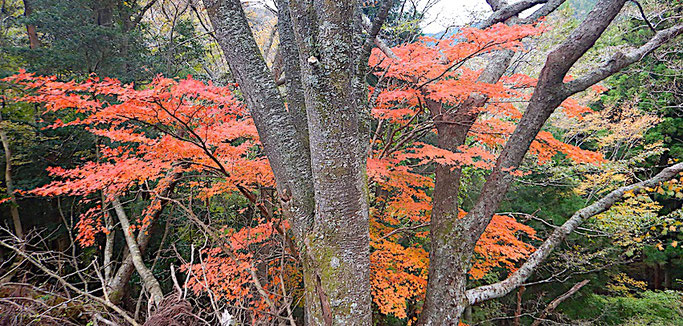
pixel 649 308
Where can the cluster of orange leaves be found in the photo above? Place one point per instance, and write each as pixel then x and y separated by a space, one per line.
pixel 228 278
pixel 438 70
pixel 145 134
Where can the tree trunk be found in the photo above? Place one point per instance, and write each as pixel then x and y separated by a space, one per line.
pixel 450 249
pixel 446 291
pixel 338 244
pixel 33 40
pixel 667 273
pixel 150 282
pixel 316 144
pixel 497 290
pixel 108 245
pixel 518 312
pixel 117 283
pixel 14 206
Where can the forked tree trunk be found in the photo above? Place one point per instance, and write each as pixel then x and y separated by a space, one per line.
pixel 316 144
pixel 446 295
pixel 450 251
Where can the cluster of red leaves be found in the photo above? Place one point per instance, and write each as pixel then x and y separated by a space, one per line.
pixel 399 273
pixel 88 226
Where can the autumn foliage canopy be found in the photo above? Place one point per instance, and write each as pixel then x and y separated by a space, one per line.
pixel 147 132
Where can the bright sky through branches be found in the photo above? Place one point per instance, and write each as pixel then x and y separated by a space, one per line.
pixel 440 13
pixel 446 13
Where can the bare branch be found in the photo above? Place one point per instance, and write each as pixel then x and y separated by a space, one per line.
pixel 150 282
pixel 545 10
pixel 142 12
pixel 553 304
pixel 376 26
pixel 620 60
pixel 509 11
pixel 68 285
pixel 377 40
pixel 515 280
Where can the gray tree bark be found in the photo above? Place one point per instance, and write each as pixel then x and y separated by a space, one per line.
pixel 515 280
pixel 118 282
pixel 338 242
pixel 448 265
pixel 316 142
pixel 149 281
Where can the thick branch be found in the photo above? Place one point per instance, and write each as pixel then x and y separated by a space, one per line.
pixel 509 11
pixel 545 10
pixel 496 4
pixel 290 63
pixel 620 60
pixel 379 42
pixel 285 146
pixel 515 280
pixel 376 26
pixel 546 98
pixel 108 245
pixel 33 40
pixel 148 279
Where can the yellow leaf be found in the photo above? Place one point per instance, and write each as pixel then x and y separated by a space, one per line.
pixel 674 244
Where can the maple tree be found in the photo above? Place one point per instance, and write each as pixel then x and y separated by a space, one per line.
pixel 436 70
pixel 368 215
pixel 191 127
pixel 151 136
pixel 169 110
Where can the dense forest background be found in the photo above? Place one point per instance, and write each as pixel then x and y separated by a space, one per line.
pixel 623 267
